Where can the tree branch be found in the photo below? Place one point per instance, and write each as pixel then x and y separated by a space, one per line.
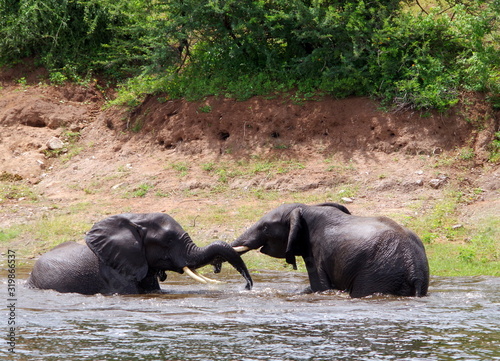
pixel 421 7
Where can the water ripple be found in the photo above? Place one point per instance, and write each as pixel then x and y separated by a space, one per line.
pixel 459 320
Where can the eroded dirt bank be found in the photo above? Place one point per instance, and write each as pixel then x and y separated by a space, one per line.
pixel 186 157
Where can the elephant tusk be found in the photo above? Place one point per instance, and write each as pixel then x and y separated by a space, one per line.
pixel 209 280
pixel 241 249
pixel 193 275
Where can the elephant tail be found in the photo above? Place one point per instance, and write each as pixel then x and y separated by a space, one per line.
pixel 418 280
pixel 419 288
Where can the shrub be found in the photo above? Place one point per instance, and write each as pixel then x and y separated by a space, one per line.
pixel 58 33
pixel 193 48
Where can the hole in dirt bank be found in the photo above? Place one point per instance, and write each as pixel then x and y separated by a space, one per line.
pixel 223 135
pixel 36 123
pixel 275 134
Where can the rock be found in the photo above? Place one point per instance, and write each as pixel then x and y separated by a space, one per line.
pixel 385 185
pixel 194 184
pixel 41 164
pixel 419 182
pixel 435 183
pixel 347 200
pixel 116 186
pixel 75 127
pixel 55 143
pixel 438 182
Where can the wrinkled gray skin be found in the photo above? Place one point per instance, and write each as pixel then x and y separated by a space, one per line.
pixel 361 255
pixel 127 254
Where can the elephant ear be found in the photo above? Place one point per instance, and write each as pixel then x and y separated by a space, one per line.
pixel 118 243
pixel 297 237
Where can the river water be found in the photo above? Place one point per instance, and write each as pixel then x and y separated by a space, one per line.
pixel 459 320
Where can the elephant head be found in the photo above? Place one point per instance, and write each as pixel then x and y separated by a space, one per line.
pixel 141 247
pixel 277 231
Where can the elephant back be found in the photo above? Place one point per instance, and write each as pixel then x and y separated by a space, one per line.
pixel 69 267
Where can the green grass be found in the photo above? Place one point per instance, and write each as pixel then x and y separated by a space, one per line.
pixel 43 233
pixel 56 229
pixel 452 260
pixel 456 249
pixel 468 250
pixel 71 147
pixel 140 191
pixel 8 234
pixel 495 149
pixel 227 170
pixel 205 108
pixel 437 222
pixel 181 167
pixel 16 190
pixel 73 151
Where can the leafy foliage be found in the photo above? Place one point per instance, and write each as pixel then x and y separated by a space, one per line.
pixel 402 52
pixel 62 34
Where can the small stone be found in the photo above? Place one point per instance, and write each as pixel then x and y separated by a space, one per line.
pixel 116 186
pixel 419 182
pixel 75 127
pixel 438 182
pixel 347 200
pixel 435 183
pixel 55 143
pixel 456 226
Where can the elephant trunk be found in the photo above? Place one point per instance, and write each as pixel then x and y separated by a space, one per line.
pixel 215 253
pixel 247 241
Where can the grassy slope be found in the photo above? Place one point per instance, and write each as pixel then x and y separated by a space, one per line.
pixel 453 250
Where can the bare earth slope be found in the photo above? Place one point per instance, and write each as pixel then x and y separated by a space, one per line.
pixel 220 156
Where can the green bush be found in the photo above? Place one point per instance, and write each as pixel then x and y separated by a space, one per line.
pixel 341 48
pixel 495 149
pixel 425 60
pixel 57 33
pixel 388 49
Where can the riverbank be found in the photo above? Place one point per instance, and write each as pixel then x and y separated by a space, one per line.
pixel 216 166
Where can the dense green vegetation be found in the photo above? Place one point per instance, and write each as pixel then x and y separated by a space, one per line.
pixel 404 52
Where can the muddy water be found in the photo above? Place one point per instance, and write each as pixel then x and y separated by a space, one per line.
pixel 459 320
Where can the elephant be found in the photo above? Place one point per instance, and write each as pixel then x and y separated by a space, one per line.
pixel 127 254
pixel 359 255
